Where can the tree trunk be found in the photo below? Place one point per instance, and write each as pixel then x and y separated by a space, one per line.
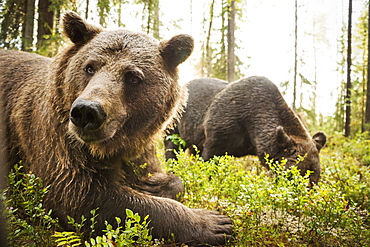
pixel 148 20
pixel 152 21
pixel 45 22
pixel 231 42
pixel 29 15
pixel 367 108
pixel 87 9
pixel 208 61
pixel 119 12
pixel 347 126
pixel 295 55
pixel 219 65
pixel 155 13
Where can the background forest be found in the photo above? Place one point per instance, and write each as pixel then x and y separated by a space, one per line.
pixel 315 51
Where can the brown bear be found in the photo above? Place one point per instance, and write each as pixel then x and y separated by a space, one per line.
pixel 2 177
pixel 201 93
pixel 85 120
pixel 248 116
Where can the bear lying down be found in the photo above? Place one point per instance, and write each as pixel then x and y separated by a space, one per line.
pixel 83 120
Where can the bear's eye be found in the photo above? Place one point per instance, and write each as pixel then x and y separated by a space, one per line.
pixel 134 77
pixel 89 69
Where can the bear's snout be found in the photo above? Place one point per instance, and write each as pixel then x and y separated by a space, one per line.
pixel 88 115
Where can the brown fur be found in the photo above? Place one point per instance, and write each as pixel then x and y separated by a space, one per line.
pixel 3 172
pixel 130 81
pixel 248 116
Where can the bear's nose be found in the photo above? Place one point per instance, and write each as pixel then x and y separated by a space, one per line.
pixel 87 114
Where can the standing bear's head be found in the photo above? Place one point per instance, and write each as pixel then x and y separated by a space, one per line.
pixel 300 149
pixel 117 89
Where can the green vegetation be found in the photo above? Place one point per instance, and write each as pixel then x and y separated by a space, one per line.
pixel 134 232
pixel 268 208
pixel 279 210
pixel 29 223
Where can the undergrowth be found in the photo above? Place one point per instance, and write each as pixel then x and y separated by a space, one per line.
pixel 268 208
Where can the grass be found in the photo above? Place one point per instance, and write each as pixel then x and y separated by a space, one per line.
pixel 267 208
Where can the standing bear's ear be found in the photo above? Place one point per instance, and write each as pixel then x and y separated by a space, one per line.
pixel 282 138
pixel 77 29
pixel 176 50
pixel 320 139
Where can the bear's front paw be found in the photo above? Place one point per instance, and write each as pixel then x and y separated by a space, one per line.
pixel 212 228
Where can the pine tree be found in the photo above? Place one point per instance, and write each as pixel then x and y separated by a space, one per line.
pixel 347 124
pixel 207 58
pixel 28 25
pixel 151 20
pixel 45 22
pixel 367 107
pixel 295 55
pixel 231 41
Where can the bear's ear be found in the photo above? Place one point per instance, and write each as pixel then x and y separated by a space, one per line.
pixel 77 29
pixel 176 50
pixel 320 139
pixel 282 138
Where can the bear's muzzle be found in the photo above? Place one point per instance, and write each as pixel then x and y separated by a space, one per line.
pixel 87 115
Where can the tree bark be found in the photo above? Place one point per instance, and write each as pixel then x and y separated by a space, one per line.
pixel 231 42
pixel 87 9
pixel 156 23
pixel 347 125
pixel 29 15
pixel 45 22
pixel 152 22
pixel 367 107
pixel 295 55
pixel 208 49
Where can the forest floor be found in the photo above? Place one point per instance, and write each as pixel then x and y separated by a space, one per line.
pixel 267 208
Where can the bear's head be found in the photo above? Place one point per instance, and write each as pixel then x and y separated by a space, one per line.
pixel 301 150
pixel 117 89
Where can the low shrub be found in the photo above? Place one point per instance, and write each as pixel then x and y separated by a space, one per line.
pixel 268 208
pixel 276 208
pixel 29 224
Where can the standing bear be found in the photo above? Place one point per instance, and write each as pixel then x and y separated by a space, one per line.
pixel 246 117
pixel 83 121
pixel 190 126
